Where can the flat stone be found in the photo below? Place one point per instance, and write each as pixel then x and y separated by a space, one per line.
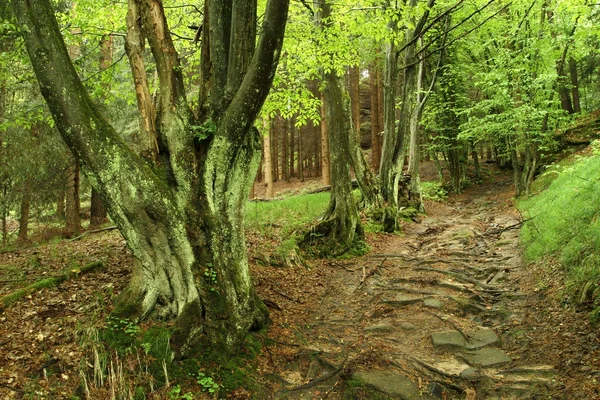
pixel 407 326
pixel 452 367
pixel 471 374
pixel 391 383
pixel 450 339
pixel 454 339
pixel 487 357
pixel 481 338
pixel 383 327
pixel 433 303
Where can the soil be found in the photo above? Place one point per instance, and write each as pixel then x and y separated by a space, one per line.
pixel 423 314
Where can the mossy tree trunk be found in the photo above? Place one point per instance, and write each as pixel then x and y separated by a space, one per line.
pixel 340 225
pixel 182 217
pixel 394 184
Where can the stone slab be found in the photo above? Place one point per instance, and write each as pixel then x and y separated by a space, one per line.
pixel 487 357
pixel 454 339
pixel 391 383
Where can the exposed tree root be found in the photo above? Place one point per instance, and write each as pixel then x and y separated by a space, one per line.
pixel 7 300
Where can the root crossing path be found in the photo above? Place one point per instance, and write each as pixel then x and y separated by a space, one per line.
pixel 434 313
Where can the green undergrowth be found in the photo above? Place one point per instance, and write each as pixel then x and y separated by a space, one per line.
pixel 282 223
pixel 433 190
pixel 564 223
pixel 136 362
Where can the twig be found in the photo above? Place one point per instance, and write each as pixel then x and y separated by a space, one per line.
pixel 10 388
pixel 287 296
pixel 513 226
pixel 317 380
pixel 464 335
pixel 84 234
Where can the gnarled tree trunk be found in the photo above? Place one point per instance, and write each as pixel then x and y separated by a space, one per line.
pixel 184 221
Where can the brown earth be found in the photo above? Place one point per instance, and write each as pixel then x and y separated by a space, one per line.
pixel 350 328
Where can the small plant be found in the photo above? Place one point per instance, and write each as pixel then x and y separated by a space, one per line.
pixel 207 383
pixel 127 326
pixel 175 394
pixel 210 274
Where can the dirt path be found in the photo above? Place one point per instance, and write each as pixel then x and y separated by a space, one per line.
pixel 434 313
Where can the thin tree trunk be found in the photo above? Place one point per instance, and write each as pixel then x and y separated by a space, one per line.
pixel 325 161
pixel 375 127
pixel 60 201
pixel 575 85
pixel 292 132
pixel 72 218
pixel 301 156
pixel 24 218
pixel 268 167
pixel 285 171
pixel 476 165
pixel 354 83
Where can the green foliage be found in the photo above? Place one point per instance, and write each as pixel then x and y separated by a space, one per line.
pixel 207 383
pixel 565 223
pixel 204 131
pixel 433 190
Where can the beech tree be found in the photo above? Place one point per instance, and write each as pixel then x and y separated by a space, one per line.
pixel 180 209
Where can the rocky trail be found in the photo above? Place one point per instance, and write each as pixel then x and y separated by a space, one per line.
pixel 436 313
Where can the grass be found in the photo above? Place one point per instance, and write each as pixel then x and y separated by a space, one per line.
pixel 565 224
pixel 280 223
pixel 291 212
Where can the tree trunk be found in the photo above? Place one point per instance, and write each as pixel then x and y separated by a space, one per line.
pixel 340 226
pixel 24 218
pixel 354 83
pixel 72 218
pixel 292 132
pixel 325 161
pixel 274 133
pixel 285 166
pixel 301 156
pixel 375 127
pixel 268 167
pixel 575 85
pixel 98 215
pixel 184 225
pixel 60 202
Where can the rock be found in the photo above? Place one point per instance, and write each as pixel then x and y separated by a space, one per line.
pixel 433 303
pixel 407 326
pixel 449 339
pixel 499 277
pixel 383 327
pixel 454 339
pixel 391 383
pixel 452 367
pixel 471 374
pixel 481 338
pixel 486 357
pixel 437 390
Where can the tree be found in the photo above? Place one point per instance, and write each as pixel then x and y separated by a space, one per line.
pixel 182 215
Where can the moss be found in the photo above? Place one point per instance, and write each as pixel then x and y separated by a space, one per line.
pixel 185 339
pixel 127 305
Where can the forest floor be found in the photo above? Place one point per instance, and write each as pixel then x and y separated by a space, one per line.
pixel 445 309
